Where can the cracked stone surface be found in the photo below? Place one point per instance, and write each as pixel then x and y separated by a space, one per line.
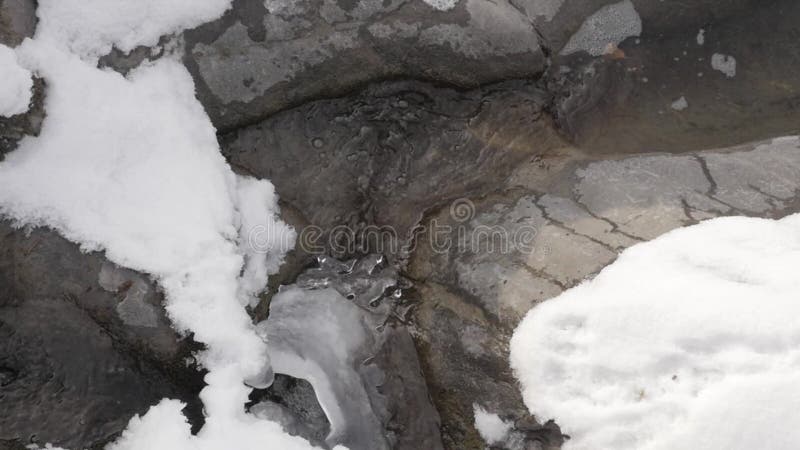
pixel 580 226
pixel 17 21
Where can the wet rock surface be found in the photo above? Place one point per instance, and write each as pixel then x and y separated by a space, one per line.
pixel 475 291
pixel 480 149
pixel 629 101
pixel 17 21
pixel 84 345
pixel 385 156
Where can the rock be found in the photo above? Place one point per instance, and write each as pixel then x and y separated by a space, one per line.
pixel 85 345
pixel 372 164
pixel 622 102
pixel 292 403
pixel 17 21
pixel 263 57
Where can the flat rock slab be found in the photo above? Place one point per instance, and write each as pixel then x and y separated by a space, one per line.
pixel 262 57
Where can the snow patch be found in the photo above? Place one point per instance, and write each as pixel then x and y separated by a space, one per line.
pixel 680 104
pixel 91 27
pixel 15 89
pixel 605 29
pixel 490 426
pixel 442 5
pixel 687 341
pixel 701 37
pixel 724 63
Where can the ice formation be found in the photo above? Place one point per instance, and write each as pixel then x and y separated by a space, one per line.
pixel 325 355
pixel 687 341
pixel 15 89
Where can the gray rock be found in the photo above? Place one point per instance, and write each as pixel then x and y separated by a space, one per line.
pixel 17 21
pixel 622 102
pixel 372 164
pixel 261 58
pixel 75 366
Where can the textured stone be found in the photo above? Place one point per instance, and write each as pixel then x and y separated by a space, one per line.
pixel 76 366
pixel 259 58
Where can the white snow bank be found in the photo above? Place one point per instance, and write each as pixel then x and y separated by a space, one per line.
pixel 16 84
pixel 490 426
pixel 91 27
pixel 131 166
pixel 688 341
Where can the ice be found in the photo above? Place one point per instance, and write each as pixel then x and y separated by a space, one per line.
pixel 16 84
pixel 320 336
pixel 688 341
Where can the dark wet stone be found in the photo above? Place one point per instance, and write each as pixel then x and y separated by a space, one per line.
pixel 75 364
pixel 389 154
pixel 631 102
pixel 292 403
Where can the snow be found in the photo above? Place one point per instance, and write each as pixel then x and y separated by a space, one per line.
pixel 442 5
pixel 680 104
pixel 724 63
pixel 490 426
pixel 601 32
pixel 15 89
pixel 131 166
pixel 91 27
pixel 688 341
